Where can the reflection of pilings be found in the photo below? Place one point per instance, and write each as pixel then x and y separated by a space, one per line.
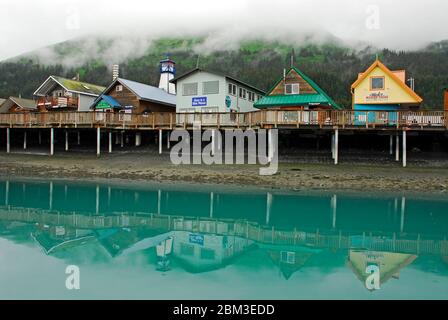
pixel 109 194
pixel 334 205
pixel 211 204
pixel 268 207
pixel 159 199
pixel 51 196
pixel 7 193
pixel 97 205
pixel 403 208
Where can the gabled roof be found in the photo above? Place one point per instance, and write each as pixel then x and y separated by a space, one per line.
pixel 321 97
pixel 110 101
pixel 218 74
pixel 69 85
pixel 2 100
pixel 386 70
pixel 25 104
pixel 143 92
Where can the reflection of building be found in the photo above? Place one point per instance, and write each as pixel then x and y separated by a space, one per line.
pixel 121 241
pixel 201 252
pixel 389 263
pixel 56 238
pixel 290 259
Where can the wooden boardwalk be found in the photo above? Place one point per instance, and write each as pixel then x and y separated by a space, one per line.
pixel 352 120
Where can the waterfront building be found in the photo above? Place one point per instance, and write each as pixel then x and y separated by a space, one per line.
pixel 201 91
pixel 296 91
pixel 133 97
pixel 14 104
pixel 61 94
pixel 379 89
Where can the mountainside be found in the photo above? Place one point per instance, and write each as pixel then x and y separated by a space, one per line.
pixel 333 66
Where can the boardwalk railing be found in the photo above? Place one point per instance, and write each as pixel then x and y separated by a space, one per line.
pixel 257 119
pixel 263 235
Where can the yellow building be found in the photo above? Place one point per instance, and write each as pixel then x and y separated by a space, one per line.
pixel 380 89
pixel 388 263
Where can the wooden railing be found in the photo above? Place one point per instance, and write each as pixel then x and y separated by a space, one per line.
pixel 53 102
pixel 258 119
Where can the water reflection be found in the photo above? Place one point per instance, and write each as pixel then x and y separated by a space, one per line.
pixel 201 232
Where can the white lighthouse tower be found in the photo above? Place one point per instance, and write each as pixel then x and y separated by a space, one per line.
pixel 167 72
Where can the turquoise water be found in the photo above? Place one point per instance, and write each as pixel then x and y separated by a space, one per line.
pixel 186 242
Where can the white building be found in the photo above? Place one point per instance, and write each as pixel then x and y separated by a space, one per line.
pixel 203 91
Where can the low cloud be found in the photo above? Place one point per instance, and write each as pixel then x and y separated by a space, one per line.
pixel 29 25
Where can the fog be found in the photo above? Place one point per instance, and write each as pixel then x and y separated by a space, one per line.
pixel 30 25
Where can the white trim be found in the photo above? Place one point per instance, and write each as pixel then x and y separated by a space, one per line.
pixel 72 91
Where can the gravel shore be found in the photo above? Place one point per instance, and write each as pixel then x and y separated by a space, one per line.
pixel 148 166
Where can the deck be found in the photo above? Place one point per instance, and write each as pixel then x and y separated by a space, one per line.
pixel 356 120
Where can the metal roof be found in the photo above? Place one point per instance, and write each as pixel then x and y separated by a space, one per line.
pixel 291 100
pixel 26 104
pixel 218 74
pixel 110 101
pixel 321 97
pixel 69 85
pixel 149 93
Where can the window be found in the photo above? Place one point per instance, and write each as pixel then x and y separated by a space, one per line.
pixel 259 97
pixel 251 96
pixel 210 87
pixel 186 249
pixel 190 89
pixel 207 254
pixel 232 89
pixel 288 257
pixel 292 88
pixel 119 88
pixel 243 93
pixel 377 83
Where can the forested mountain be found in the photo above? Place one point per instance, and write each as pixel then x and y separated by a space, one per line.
pixel 333 66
